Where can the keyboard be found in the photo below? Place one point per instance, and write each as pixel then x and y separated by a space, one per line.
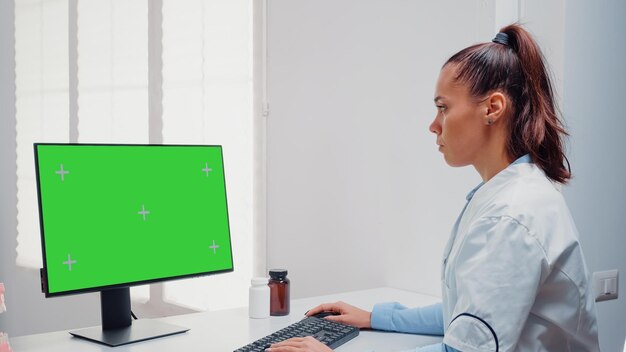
pixel 330 333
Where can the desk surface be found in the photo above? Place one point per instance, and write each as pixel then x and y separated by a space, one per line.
pixel 227 330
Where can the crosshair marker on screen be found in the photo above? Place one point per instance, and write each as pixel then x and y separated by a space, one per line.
pixel 207 169
pixel 143 212
pixel 69 262
pixel 214 247
pixel 62 173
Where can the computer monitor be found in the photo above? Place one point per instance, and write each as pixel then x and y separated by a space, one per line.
pixel 114 216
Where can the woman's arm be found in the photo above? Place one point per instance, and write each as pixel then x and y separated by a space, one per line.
pixel 396 317
pixel 385 316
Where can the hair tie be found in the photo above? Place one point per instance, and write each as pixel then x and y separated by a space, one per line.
pixel 501 38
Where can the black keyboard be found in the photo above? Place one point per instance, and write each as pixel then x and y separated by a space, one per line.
pixel 330 333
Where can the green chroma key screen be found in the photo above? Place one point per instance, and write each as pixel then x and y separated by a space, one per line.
pixel 129 214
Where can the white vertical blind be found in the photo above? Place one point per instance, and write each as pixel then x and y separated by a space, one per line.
pixel 113 71
pixel 207 99
pixel 42 109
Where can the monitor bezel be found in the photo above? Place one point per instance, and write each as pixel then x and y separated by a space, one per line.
pixel 44 273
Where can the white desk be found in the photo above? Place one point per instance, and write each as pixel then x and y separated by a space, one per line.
pixel 228 330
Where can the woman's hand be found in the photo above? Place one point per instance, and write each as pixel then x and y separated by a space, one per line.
pixel 349 315
pixel 299 344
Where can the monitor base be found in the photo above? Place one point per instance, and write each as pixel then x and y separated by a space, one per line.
pixel 140 330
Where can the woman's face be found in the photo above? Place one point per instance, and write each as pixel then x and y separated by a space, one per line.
pixel 460 121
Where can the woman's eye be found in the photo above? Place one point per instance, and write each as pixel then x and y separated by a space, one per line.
pixel 441 108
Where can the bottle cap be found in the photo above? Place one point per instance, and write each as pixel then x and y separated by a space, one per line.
pixel 259 281
pixel 278 273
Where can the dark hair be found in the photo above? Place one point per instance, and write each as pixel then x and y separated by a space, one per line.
pixel 515 66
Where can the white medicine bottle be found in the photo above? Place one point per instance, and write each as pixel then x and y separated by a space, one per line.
pixel 259 298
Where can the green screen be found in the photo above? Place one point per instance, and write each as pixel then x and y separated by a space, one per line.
pixel 125 214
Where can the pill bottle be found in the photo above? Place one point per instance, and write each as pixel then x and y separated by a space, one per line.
pixel 279 292
pixel 259 298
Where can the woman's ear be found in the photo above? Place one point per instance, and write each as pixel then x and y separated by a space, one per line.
pixel 496 106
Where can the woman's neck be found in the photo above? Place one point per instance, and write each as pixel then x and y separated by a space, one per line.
pixel 494 157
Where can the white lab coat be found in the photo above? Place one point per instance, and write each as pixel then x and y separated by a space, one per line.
pixel 513 270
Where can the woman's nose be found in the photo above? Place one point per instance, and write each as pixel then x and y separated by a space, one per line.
pixel 435 127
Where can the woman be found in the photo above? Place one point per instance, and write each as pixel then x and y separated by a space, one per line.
pixel 513 274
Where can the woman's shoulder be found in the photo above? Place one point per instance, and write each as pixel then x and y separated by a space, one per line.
pixel 531 199
pixel 532 188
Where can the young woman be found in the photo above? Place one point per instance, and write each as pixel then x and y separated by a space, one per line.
pixel 513 274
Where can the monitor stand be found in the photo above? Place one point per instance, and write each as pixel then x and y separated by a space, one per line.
pixel 117 326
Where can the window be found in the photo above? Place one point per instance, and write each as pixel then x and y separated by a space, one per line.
pixel 140 71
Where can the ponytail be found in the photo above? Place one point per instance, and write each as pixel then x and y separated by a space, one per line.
pixel 514 65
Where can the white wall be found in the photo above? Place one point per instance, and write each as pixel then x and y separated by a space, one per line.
pixel 595 109
pixel 358 195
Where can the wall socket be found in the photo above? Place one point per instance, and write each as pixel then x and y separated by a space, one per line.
pixel 605 285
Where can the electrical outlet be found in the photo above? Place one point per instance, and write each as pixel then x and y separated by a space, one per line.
pixel 605 285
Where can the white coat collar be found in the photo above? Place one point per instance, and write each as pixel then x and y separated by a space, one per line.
pixel 502 175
